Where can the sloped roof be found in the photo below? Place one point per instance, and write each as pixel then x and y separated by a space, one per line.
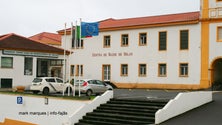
pixel 150 20
pixel 16 42
pixel 143 22
pixel 47 38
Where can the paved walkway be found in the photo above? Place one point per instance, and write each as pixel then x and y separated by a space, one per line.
pixel 208 114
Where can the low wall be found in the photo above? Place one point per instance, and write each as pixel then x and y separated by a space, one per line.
pixel 182 103
pixel 78 114
pixel 34 109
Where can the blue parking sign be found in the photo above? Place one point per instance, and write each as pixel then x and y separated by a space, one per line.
pixel 19 100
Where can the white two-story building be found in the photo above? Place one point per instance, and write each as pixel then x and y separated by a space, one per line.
pixel 175 51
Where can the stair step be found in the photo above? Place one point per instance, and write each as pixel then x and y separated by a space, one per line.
pixel 142 103
pixel 94 122
pixel 124 112
pixel 144 113
pixel 127 109
pixel 131 106
pixel 119 120
pixel 120 116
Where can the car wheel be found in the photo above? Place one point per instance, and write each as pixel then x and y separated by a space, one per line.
pixel 45 91
pixel 89 92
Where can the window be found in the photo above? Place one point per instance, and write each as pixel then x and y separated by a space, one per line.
pixel 106 72
pixel 124 40
pixel 124 70
pixel 184 39
pixel 59 80
pixel 142 39
pixel 7 62
pixel 78 44
pixel 162 40
pixel 6 83
pixel 142 70
pixel 56 62
pixel 72 68
pixel 50 80
pixel 28 66
pixel 79 71
pixel 219 34
pixel 107 42
pixel 183 69
pixel 162 70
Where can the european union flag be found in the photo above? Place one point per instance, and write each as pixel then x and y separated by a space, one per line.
pixel 89 29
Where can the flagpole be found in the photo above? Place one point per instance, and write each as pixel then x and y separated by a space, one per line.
pixel 74 72
pixel 80 42
pixel 64 63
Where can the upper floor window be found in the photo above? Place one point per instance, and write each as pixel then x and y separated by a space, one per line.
pixel 142 39
pixel 184 39
pixel 124 40
pixel 106 41
pixel 219 34
pixel 6 62
pixel 163 40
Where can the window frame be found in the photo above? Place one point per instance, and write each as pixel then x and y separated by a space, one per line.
pixel 142 73
pixel 28 70
pixel 106 44
pixel 11 63
pixel 160 71
pixel 188 39
pixel 124 72
pixel 77 70
pixel 185 71
pixel 218 32
pixel 165 49
pixel 123 42
pixel 141 42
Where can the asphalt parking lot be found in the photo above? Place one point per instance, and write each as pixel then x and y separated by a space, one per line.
pixel 208 114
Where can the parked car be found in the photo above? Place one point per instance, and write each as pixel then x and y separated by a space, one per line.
pixel 48 85
pixel 91 86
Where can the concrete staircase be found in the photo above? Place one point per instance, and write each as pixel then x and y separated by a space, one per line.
pixel 124 112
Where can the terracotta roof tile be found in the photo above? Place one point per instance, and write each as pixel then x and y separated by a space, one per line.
pixel 16 42
pixel 47 38
pixel 150 20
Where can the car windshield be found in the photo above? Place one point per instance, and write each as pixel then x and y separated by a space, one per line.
pixel 36 80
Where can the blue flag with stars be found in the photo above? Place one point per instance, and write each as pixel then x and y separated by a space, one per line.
pixel 89 29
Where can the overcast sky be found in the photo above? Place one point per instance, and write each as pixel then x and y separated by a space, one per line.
pixel 30 17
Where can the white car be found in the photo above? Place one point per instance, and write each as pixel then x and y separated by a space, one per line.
pixel 91 86
pixel 48 85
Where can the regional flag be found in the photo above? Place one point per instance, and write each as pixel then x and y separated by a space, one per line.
pixel 89 29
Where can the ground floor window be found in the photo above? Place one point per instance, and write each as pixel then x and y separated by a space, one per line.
pixel 183 69
pixel 106 72
pixel 28 66
pixel 79 71
pixel 124 70
pixel 142 70
pixel 7 62
pixel 6 83
pixel 162 70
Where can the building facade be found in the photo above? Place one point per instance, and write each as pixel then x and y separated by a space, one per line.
pixel 175 51
pixel 23 59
